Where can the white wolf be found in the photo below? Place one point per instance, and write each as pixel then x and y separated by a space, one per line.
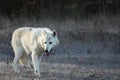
pixel 34 41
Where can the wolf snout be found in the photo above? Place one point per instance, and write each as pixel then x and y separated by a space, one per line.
pixel 46 51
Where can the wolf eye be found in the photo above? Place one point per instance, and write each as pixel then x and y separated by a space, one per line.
pixel 50 42
pixel 45 42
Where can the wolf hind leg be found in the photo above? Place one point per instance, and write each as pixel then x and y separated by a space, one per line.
pixel 23 59
pixel 18 55
pixel 29 62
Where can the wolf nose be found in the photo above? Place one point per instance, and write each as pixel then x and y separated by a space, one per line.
pixel 46 51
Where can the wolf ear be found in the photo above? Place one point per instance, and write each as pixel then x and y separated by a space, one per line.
pixel 54 33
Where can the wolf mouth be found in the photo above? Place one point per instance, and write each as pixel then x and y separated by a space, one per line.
pixel 48 53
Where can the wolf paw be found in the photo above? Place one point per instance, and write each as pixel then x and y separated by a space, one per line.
pixel 15 68
pixel 37 72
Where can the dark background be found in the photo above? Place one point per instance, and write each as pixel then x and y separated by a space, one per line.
pixel 60 8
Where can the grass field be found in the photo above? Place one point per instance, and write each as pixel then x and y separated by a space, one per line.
pixel 89 49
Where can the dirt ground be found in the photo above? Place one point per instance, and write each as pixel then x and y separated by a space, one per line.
pixel 89 50
pixel 65 67
pixel 80 67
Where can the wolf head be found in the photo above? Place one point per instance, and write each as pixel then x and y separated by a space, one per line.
pixel 48 41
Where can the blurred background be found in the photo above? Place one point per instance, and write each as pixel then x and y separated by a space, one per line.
pixel 88 30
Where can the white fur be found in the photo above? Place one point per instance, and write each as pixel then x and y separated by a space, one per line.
pixel 34 41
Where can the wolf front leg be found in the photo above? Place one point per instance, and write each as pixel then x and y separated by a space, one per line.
pixel 40 58
pixel 35 60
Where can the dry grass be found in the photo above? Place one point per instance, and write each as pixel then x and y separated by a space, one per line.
pixel 89 49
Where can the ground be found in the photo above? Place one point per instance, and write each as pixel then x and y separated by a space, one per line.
pixel 50 70
pixel 89 50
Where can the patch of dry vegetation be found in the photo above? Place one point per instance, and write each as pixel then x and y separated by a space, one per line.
pixel 89 49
